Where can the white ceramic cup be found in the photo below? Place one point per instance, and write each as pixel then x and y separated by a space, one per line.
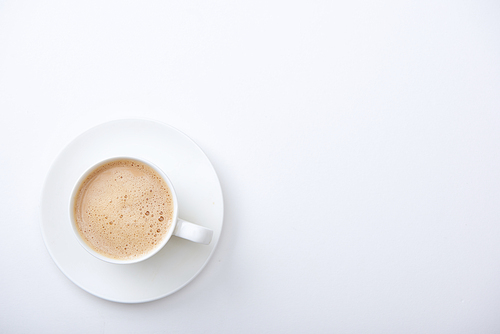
pixel 180 228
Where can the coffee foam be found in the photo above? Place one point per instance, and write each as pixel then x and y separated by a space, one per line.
pixel 124 209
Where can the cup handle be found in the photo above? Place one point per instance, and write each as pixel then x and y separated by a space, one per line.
pixel 193 232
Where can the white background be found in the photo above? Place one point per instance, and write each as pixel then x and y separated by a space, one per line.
pixel 357 145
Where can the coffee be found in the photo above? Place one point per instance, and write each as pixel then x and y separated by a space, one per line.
pixel 124 209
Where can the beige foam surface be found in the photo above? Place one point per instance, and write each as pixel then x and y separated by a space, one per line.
pixel 124 209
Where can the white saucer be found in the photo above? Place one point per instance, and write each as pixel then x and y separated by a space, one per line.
pixel 200 201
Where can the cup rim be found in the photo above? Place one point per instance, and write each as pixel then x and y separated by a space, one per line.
pixel 81 240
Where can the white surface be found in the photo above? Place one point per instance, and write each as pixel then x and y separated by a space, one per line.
pixel 357 145
pixel 199 198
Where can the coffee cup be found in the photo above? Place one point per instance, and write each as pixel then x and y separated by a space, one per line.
pixel 124 210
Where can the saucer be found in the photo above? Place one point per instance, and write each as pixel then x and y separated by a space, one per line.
pixel 199 196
